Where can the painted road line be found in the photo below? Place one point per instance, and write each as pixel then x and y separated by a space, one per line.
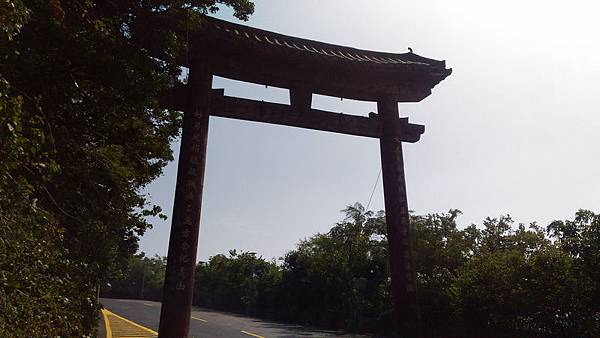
pixel 200 319
pixel 251 334
pixel 117 326
pixel 106 324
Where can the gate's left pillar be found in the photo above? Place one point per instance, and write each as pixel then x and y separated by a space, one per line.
pixel 185 222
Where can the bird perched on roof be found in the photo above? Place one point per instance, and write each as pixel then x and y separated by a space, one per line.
pixel 409 50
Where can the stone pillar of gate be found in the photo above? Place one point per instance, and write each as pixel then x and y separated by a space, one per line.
pixel 404 291
pixel 185 222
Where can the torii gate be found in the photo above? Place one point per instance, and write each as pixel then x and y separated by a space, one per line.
pixel 304 67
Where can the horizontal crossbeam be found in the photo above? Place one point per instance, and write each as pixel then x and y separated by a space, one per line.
pixel 275 113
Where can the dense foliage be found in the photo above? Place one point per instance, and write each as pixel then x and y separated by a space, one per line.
pixel 495 280
pixel 81 134
pixel 239 281
pixel 143 279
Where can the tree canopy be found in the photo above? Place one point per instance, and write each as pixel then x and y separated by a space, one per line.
pixel 81 133
pixel 498 279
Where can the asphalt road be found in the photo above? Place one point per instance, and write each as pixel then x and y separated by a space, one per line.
pixel 209 323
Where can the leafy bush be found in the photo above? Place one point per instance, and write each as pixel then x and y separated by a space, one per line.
pixel 498 280
pixel 81 133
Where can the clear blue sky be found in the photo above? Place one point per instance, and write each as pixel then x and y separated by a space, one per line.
pixel 514 130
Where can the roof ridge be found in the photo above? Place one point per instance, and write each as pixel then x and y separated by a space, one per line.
pixel 323 48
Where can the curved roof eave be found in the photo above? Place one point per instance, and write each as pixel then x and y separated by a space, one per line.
pixel 254 55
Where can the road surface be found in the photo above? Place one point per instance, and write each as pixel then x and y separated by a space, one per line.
pixel 205 323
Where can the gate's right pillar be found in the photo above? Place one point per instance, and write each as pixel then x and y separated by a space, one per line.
pixel 404 290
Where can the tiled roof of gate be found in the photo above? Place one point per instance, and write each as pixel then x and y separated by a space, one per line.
pixel 310 48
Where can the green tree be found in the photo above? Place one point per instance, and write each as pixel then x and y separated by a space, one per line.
pixel 81 134
pixel 496 280
pixel 240 282
pixel 340 279
pixel 521 283
pixel 580 240
pixel 441 250
pixel 143 279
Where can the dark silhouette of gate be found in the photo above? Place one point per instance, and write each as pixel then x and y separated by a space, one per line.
pixel 304 67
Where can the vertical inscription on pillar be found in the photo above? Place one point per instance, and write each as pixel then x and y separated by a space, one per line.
pixel 185 225
pixel 190 192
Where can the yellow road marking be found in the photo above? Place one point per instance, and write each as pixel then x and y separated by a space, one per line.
pixel 251 334
pixel 106 324
pixel 200 319
pixel 117 326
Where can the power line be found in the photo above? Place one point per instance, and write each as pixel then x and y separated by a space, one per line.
pixel 373 192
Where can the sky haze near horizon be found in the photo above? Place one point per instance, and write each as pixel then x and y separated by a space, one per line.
pixel 514 130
